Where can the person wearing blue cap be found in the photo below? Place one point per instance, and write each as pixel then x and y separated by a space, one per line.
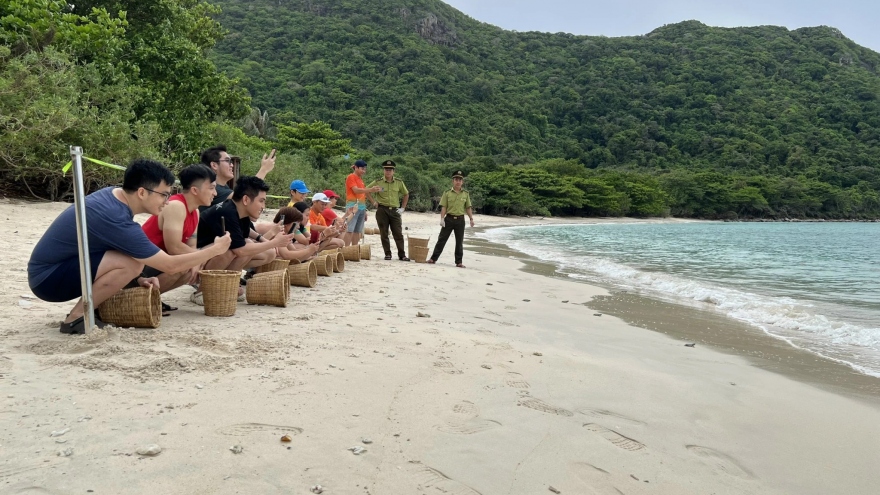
pixel 298 191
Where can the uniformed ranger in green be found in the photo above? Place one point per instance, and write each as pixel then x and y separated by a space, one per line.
pixel 390 204
pixel 454 204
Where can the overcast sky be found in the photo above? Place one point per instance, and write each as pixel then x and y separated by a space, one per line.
pixel 857 19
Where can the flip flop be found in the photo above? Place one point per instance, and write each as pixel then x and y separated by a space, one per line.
pixel 167 309
pixel 459 265
pixel 402 259
pixel 431 262
pixel 388 258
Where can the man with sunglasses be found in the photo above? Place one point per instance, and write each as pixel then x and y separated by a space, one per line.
pixel 218 160
pixel 118 247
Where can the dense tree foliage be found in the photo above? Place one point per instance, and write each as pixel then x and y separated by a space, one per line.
pixel 687 120
pixel 744 121
pixel 120 78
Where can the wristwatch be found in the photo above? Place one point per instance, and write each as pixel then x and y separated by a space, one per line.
pixel 259 237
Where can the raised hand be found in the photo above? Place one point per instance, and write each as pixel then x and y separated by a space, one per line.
pixel 267 164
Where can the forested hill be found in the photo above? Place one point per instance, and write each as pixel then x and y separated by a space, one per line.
pixel 419 77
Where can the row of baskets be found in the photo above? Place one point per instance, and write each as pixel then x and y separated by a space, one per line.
pixel 142 307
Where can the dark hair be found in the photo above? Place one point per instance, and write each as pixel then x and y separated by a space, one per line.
pixel 302 206
pixel 249 186
pixel 291 215
pixel 146 173
pixel 195 173
pixel 212 154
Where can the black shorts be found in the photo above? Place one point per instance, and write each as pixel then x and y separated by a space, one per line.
pixel 65 284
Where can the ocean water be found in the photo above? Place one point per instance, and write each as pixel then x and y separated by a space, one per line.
pixel 814 285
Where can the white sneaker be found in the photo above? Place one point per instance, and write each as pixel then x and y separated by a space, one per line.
pixel 197 298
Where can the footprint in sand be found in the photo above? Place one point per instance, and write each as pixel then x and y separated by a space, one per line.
pixel 721 461
pixel 243 429
pixel 429 477
pixel 615 438
pixel 515 380
pixel 605 414
pixel 447 367
pixel 539 405
pixel 467 420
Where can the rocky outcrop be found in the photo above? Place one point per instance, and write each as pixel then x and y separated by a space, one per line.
pixel 436 32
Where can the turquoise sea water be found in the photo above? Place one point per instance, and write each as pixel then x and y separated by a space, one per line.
pixel 815 285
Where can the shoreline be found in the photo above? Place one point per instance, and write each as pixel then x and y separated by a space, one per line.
pixel 504 384
pixel 719 331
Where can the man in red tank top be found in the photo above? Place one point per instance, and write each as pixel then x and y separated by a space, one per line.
pixel 174 228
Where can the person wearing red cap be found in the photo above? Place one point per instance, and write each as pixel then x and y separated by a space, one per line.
pixel 329 215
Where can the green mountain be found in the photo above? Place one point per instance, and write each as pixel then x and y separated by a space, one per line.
pixel 420 77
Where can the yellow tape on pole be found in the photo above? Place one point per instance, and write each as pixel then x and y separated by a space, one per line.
pixel 99 162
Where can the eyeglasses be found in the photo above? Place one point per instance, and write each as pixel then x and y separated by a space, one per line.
pixel 227 160
pixel 166 195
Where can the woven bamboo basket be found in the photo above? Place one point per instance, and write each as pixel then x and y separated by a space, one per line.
pixel 303 274
pixel 366 251
pixel 220 291
pixel 351 253
pixel 418 254
pixel 417 242
pixel 324 264
pixel 339 264
pixel 139 307
pixel 274 265
pixel 272 288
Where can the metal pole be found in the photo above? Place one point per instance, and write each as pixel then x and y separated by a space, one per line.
pixel 85 267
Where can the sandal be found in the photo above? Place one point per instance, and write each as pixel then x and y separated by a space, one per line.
pixel 403 259
pixel 431 262
pixel 167 309
pixel 459 265
pixel 388 258
pixel 78 326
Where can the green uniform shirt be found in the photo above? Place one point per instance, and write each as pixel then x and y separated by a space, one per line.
pixel 392 192
pixel 456 203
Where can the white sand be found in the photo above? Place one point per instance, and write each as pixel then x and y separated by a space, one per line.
pixel 456 402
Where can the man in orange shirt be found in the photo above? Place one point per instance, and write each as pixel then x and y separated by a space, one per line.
pixel 320 231
pixel 356 202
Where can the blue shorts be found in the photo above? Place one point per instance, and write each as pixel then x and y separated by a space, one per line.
pixel 64 283
pixel 356 224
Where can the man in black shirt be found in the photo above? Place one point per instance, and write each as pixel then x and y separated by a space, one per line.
pixel 234 216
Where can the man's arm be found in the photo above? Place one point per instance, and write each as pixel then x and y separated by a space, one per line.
pixel 404 201
pixel 252 248
pixel 172 218
pixel 167 263
pixel 470 214
pixel 266 165
pixel 363 190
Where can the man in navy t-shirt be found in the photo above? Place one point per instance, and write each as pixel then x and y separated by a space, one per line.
pixel 118 247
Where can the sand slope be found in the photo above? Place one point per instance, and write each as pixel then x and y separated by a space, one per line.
pixel 454 402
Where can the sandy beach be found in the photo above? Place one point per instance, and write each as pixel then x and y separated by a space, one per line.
pixel 508 383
